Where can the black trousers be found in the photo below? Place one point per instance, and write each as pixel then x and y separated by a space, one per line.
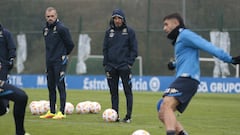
pixel 4 73
pixel 4 76
pixel 113 76
pixel 20 98
pixel 56 78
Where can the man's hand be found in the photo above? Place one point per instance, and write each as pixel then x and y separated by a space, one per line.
pixel 171 64
pixel 11 63
pixel 64 63
pixel 236 60
pixel 64 59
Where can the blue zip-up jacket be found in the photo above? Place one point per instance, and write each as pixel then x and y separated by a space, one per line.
pixel 58 41
pixel 187 48
pixel 120 45
pixel 7 46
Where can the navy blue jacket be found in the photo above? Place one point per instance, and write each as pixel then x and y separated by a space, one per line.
pixel 120 46
pixel 58 42
pixel 7 46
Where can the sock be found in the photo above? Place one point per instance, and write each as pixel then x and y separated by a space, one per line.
pixel 183 132
pixel 170 132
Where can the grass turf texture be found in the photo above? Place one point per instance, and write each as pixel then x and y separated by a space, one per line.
pixel 208 114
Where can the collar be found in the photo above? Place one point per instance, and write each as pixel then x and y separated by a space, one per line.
pixel 174 33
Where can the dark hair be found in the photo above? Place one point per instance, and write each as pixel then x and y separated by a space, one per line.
pixel 175 16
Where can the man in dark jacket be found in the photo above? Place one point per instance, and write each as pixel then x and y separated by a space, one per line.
pixel 59 45
pixel 7 55
pixel 120 50
pixel 8 91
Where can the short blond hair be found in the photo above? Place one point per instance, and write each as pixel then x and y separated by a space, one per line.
pixel 50 9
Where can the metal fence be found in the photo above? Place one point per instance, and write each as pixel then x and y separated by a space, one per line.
pixel 145 16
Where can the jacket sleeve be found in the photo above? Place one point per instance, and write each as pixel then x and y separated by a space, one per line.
pixel 208 47
pixel 133 47
pixel 67 39
pixel 105 49
pixel 10 44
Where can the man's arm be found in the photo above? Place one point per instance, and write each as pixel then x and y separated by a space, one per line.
pixel 67 39
pixel 133 47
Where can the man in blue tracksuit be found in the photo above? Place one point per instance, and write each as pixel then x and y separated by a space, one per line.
pixel 187 45
pixel 120 50
pixel 7 55
pixel 59 45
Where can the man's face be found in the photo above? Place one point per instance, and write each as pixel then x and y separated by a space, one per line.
pixel 51 16
pixel 169 25
pixel 118 22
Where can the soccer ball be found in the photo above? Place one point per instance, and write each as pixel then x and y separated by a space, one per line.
pixel 83 107
pixel 41 109
pixel 33 103
pixel 69 108
pixel 45 105
pixel 36 108
pixel 140 132
pixel 95 107
pixel 109 115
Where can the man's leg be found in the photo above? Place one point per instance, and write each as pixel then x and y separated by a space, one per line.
pixel 4 75
pixel 51 89
pixel 20 98
pixel 60 81
pixel 113 80
pixel 3 107
pixel 180 130
pixel 127 85
pixel 167 115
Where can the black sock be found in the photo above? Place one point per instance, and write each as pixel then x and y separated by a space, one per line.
pixel 170 132
pixel 183 132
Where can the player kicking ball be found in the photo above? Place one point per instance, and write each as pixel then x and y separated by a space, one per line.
pixel 187 45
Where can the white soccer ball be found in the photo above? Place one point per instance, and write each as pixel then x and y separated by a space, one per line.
pixel 45 105
pixel 33 103
pixel 95 107
pixel 69 108
pixel 83 108
pixel 140 132
pixel 109 115
pixel 34 108
pixel 41 109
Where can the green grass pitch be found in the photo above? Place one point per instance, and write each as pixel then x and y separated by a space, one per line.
pixel 208 114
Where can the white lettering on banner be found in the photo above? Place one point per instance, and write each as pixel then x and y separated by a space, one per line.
pixel 41 80
pixel 94 84
pixel 225 87
pixel 203 87
pixel 154 84
pixel 16 80
pixel 139 84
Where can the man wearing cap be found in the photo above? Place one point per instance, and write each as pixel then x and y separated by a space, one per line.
pixel 120 50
